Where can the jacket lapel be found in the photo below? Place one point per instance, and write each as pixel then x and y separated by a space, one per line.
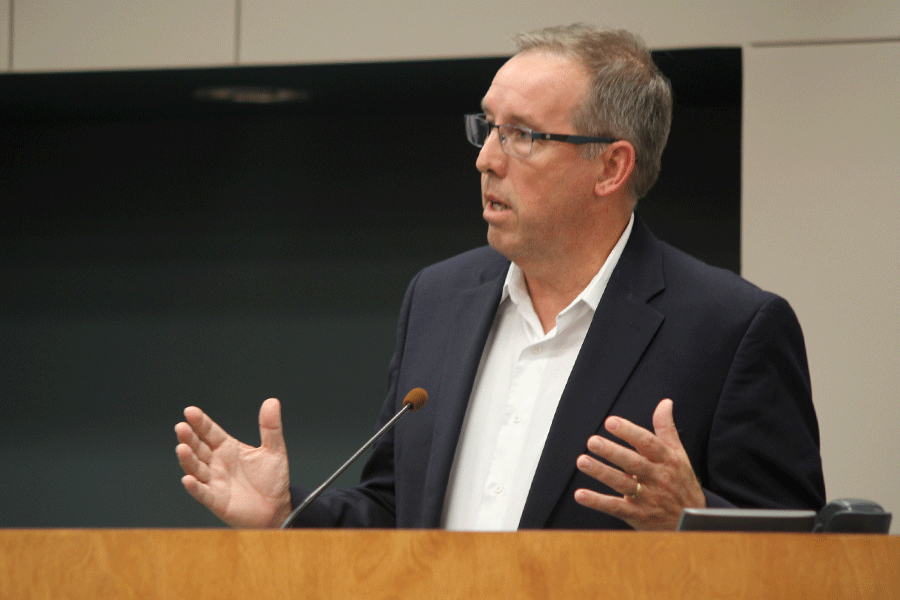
pixel 623 325
pixel 473 315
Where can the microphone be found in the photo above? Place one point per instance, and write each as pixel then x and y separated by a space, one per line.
pixel 414 400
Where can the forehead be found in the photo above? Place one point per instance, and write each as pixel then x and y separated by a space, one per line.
pixel 536 88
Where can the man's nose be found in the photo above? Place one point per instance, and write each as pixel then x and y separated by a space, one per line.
pixel 492 158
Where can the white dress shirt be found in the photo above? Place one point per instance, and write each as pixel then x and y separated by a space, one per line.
pixel 520 380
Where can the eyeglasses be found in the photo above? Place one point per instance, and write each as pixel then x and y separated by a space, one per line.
pixel 518 141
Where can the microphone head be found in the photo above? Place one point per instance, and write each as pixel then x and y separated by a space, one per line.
pixel 415 399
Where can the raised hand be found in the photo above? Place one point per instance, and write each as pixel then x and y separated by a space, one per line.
pixel 656 479
pixel 242 485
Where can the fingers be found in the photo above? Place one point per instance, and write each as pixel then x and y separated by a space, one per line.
pixel 191 465
pixel 197 475
pixel 614 478
pixel 189 438
pixel 664 424
pixel 270 431
pixel 206 429
pixel 194 452
pixel 618 507
pixel 645 443
pixel 649 450
pixel 654 476
pixel 200 492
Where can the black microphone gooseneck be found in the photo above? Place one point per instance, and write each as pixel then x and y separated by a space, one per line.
pixel 415 399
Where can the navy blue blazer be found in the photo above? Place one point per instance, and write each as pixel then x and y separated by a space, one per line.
pixel 730 355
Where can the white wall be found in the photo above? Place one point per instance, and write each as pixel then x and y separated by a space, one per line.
pixel 349 30
pixel 5 12
pixel 53 35
pixel 820 211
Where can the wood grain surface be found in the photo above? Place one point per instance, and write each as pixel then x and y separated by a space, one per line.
pixel 216 564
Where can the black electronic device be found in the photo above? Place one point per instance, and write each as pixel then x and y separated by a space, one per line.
pixel 853 515
pixel 746 519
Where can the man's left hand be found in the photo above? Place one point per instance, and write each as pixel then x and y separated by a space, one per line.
pixel 656 480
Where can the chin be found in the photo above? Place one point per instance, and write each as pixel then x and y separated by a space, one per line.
pixel 504 247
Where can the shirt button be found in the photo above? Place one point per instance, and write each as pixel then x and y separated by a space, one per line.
pixel 537 349
pixel 517 418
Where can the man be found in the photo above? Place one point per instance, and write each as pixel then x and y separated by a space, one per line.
pixel 551 355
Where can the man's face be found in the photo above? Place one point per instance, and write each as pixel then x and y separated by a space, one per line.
pixel 535 206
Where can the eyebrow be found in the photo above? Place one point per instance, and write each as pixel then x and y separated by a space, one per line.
pixel 516 120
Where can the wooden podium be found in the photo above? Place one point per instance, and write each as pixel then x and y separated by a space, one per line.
pixel 346 564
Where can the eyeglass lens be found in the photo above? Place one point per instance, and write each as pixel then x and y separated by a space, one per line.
pixel 513 140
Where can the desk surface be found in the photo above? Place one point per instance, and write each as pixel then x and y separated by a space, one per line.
pixel 201 564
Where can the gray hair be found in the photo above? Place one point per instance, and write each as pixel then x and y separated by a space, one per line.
pixel 629 99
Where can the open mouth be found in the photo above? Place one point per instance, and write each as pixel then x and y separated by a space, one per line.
pixel 493 204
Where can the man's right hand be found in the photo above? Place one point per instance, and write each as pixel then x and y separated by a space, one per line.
pixel 242 485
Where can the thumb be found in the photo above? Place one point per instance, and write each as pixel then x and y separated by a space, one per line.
pixel 270 432
pixel 664 424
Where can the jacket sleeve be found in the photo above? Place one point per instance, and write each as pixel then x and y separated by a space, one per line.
pixel 764 442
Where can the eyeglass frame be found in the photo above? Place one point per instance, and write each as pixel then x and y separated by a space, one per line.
pixel 535 135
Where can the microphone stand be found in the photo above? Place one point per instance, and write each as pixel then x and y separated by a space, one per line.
pixel 407 407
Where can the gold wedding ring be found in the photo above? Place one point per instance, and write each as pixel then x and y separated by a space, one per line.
pixel 637 491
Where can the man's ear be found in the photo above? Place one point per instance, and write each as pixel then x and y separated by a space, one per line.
pixel 615 168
